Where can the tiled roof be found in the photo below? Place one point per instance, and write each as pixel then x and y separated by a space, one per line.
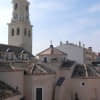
pixel 39 69
pixel 85 71
pixel 7 91
pixel 5 67
pixel 51 51
pixel 9 67
pixel 16 50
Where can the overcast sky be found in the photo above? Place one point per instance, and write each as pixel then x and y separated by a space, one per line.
pixel 58 20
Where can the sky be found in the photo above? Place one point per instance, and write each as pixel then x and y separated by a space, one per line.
pixel 58 20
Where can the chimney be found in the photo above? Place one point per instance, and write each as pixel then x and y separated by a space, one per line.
pixel 99 54
pixel 67 42
pixel 51 46
pixel 61 43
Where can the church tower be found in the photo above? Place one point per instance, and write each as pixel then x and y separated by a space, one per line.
pixel 20 28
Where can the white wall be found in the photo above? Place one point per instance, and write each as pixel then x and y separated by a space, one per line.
pixel 74 52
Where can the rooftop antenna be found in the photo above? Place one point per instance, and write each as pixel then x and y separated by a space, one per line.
pixel 51 42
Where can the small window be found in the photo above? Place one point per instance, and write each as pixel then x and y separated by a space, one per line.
pixel 83 83
pixel 76 96
pixel 29 33
pixel 45 60
pixel 15 16
pixel 23 98
pixel 27 8
pixel 21 18
pixel 16 6
pixel 64 59
pixel 18 31
pixel 27 17
pixel 25 31
pixel 12 32
pixel 53 59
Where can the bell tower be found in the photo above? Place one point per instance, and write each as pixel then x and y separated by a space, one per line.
pixel 20 28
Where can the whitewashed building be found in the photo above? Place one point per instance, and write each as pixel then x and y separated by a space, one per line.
pixel 78 53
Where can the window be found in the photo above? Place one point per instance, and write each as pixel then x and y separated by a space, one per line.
pixel 60 81
pixel 53 59
pixel 16 6
pixel 29 33
pixel 27 17
pixel 12 33
pixel 64 59
pixel 18 31
pixel 21 18
pixel 27 8
pixel 39 94
pixel 0 54
pixel 83 83
pixel 76 96
pixel 23 98
pixel 45 60
pixel 25 31
pixel 15 16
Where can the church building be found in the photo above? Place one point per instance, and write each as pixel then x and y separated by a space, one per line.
pixel 51 75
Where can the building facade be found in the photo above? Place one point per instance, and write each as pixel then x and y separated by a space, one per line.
pixel 52 80
pixel 59 73
pixel 78 53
